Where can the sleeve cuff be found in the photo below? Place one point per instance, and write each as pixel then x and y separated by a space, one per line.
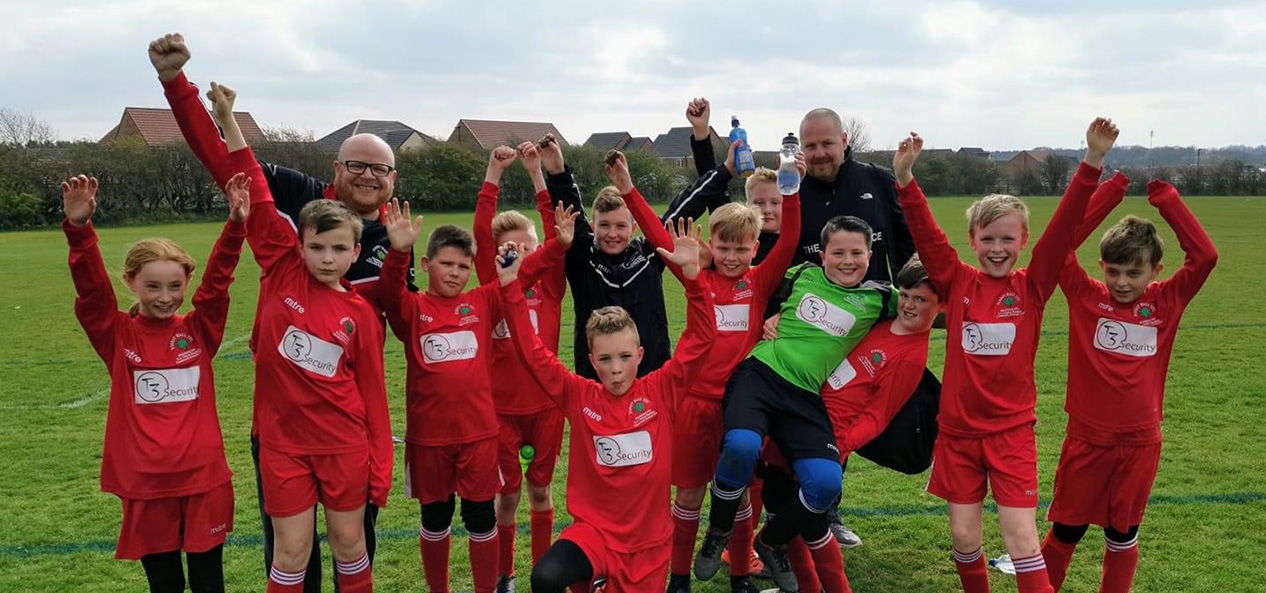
pixel 1088 173
pixel 242 159
pixel 83 236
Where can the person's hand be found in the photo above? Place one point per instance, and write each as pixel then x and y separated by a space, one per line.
pixel 508 274
pixel 903 160
pixel 699 113
pixel 685 254
pixel 222 98
pixel 238 191
pixel 501 157
pixel 168 54
pixel 551 154
pixel 1100 137
pixel 565 223
pixel 729 156
pixel 801 166
pixel 769 329
pixel 402 232
pixel 618 172
pixel 79 199
pixel 530 157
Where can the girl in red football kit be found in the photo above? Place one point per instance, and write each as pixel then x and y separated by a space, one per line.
pixel 163 454
pixel 993 316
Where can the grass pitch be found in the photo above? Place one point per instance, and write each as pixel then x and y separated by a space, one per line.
pixel 1205 529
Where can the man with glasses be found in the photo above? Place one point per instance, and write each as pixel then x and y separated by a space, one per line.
pixel 364 179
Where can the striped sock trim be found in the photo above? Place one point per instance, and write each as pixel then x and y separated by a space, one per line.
pixel 686 514
pixel 479 538
pixel 1031 564
pixel 1122 546
pixel 968 557
pixel 744 513
pixel 809 506
pixel 288 579
pixel 724 494
pixel 434 536
pixel 354 567
pixel 822 543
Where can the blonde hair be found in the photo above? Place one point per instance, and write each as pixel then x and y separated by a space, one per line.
pixel 147 251
pixel 511 220
pixel 326 215
pixel 985 211
pixel 608 200
pixel 609 320
pixel 735 222
pixel 763 175
pixel 1132 240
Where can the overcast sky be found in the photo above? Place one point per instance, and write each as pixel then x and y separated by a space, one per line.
pixel 996 74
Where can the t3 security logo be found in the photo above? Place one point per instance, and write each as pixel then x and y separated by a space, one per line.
pixel 1129 339
pixel 829 318
pixel 448 347
pixel 310 352
pixel 622 450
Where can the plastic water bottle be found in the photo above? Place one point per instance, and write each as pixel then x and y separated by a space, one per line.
pixel 526 454
pixel 744 162
pixel 1003 564
pixel 788 174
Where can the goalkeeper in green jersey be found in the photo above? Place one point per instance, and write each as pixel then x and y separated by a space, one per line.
pixel 824 312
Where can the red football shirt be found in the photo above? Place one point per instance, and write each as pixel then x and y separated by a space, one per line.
pixel 739 303
pixel 993 324
pixel 1118 354
pixel 319 385
pixel 449 379
pixel 162 435
pixel 514 392
pixel 619 472
pixel 872 383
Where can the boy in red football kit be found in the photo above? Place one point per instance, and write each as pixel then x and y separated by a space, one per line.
pixel 993 316
pixel 452 434
pixel 619 471
pixel 163 454
pixel 525 414
pixel 862 396
pixel 740 293
pixel 320 397
pixel 1121 334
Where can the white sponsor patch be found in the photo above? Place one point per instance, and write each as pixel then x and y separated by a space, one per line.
pixel 842 375
pixel 988 339
pixel 1125 338
pixel 502 331
pixel 461 345
pixel 732 318
pixel 165 386
pixel 833 320
pixel 621 450
pixel 310 352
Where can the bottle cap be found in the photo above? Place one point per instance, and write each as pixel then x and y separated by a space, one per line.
pixel 790 138
pixel 734 120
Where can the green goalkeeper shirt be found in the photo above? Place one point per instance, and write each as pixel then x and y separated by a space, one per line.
pixel 821 323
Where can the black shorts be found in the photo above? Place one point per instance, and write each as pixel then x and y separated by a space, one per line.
pixel 758 399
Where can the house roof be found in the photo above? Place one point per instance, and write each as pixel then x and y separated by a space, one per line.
pixel 676 143
pixel 158 126
pixel 490 133
pixel 392 132
pixel 608 140
pixel 973 151
pixel 639 143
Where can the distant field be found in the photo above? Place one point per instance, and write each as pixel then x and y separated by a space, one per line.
pixel 1205 531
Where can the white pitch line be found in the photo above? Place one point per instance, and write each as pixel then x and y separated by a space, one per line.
pixel 87 399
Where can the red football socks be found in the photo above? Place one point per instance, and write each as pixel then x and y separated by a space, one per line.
pixel 542 524
pixel 972 571
pixel 1058 555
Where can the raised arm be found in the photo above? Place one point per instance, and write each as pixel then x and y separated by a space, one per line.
pixel 373 388
pixel 699 113
pixel 485 210
pixel 771 271
pixel 211 300
pixel 95 303
pixel 558 383
pixel 393 288
pixel 554 278
pixel 938 256
pixel 169 54
pixel 897 383
pixel 1052 249
pixel 1072 277
pixel 549 256
pixel 1200 254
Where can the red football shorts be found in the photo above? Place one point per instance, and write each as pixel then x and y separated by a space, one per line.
pixel 644 571
pixel 194 523
pixel 432 474
pixel 697 433
pixel 1007 460
pixel 1106 486
pixel 542 430
pixel 294 483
